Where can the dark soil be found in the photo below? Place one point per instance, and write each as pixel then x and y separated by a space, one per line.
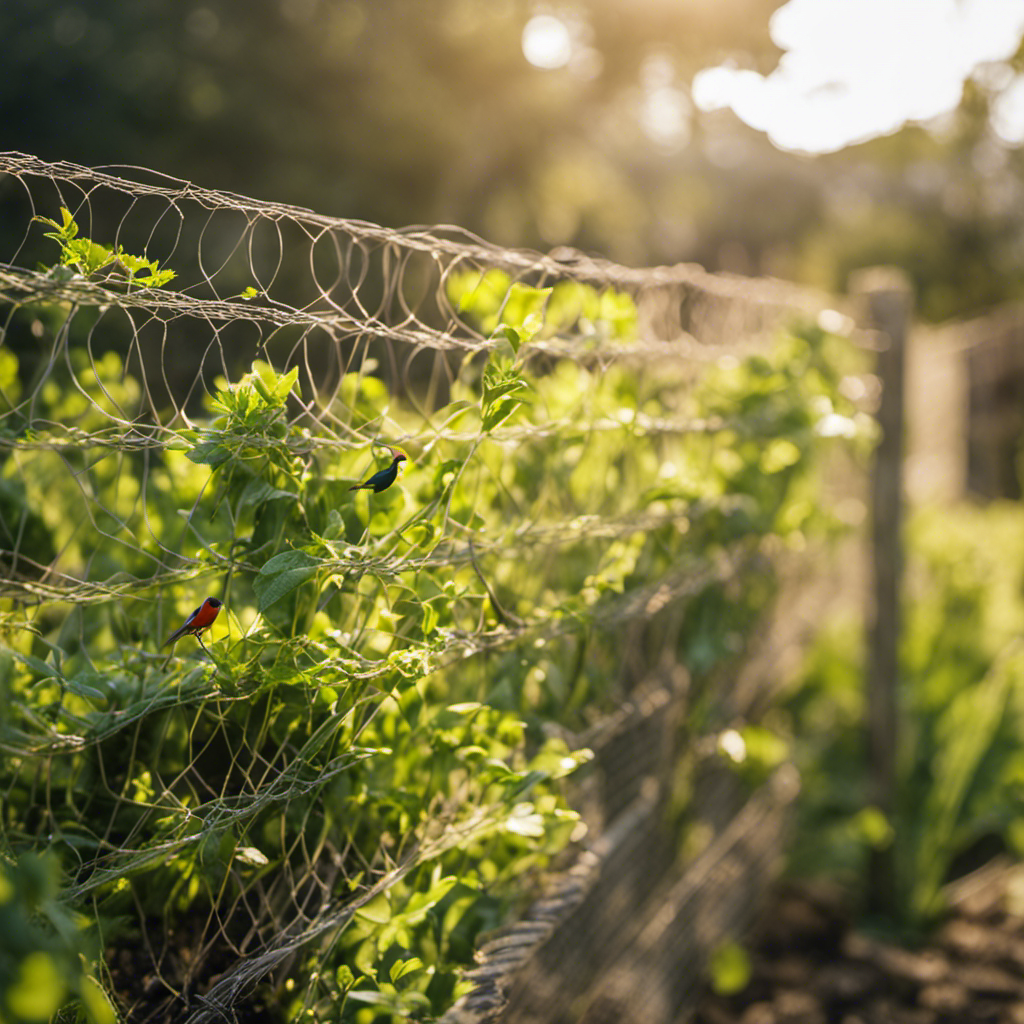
pixel 159 977
pixel 811 967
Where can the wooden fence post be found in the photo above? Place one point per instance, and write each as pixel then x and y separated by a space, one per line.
pixel 886 299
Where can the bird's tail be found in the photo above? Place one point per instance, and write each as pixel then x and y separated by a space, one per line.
pixel 176 635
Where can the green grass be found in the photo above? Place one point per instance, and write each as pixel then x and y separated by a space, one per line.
pixel 961 705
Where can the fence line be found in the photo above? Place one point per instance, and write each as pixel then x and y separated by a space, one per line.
pixel 132 478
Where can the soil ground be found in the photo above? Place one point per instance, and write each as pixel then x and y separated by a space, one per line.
pixel 811 967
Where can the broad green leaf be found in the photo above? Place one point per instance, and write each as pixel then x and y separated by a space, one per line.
pixel 38 666
pixel 519 335
pixel 290 560
pixel 500 411
pixel 618 310
pixel 377 910
pixel 81 689
pixel 496 389
pixel 271 588
pixel 257 491
pixel 527 780
pixel 400 968
pixel 447 415
pixel 478 293
pixel 373 998
pixel 523 302
pixel 209 453
pixel 286 383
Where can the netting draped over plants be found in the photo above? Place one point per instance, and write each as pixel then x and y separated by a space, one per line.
pixel 326 810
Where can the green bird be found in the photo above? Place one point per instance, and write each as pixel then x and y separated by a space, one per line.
pixel 384 478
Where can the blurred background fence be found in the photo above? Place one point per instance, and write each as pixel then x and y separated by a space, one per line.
pixel 601 542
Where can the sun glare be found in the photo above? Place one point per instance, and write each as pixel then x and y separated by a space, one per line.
pixel 856 69
pixel 547 42
pixel 665 116
pixel 1008 113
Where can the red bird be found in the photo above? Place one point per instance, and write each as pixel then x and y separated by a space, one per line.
pixel 201 619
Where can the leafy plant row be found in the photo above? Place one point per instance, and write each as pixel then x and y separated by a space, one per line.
pixel 320 819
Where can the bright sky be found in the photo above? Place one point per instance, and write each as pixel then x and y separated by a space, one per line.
pixel 855 69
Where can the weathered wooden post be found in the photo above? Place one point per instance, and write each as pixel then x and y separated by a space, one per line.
pixel 886 298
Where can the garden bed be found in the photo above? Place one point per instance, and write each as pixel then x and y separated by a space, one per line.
pixel 809 966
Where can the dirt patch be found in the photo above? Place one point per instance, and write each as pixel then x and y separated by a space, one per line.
pixel 811 967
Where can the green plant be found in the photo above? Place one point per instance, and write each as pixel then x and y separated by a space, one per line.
pixel 44 949
pixel 961 712
pixel 86 257
pixel 369 771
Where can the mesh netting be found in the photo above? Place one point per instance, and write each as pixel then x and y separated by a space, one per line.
pixel 355 770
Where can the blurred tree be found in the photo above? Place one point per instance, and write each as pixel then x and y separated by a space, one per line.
pixel 424 112
pixel 390 110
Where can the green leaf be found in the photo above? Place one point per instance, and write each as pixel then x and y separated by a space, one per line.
pixel 38 666
pixel 494 390
pixel 261 387
pixel 440 889
pixel 500 411
pixel 514 338
pixel 80 689
pixel 527 780
pixel 400 968
pixel 209 453
pixel 39 990
pixel 524 302
pixel 872 826
pixel 286 383
pixel 97 1005
pixel 524 333
pixel 270 591
pixel 430 618
pixel 290 560
pixel 377 910
pixel 282 574
pixel 618 310
pixel 372 998
pixel 335 525
pixel 257 491
pixel 478 293
pixel 730 969
pixel 451 412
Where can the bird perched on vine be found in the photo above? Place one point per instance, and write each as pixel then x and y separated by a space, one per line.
pixel 201 619
pixel 384 478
